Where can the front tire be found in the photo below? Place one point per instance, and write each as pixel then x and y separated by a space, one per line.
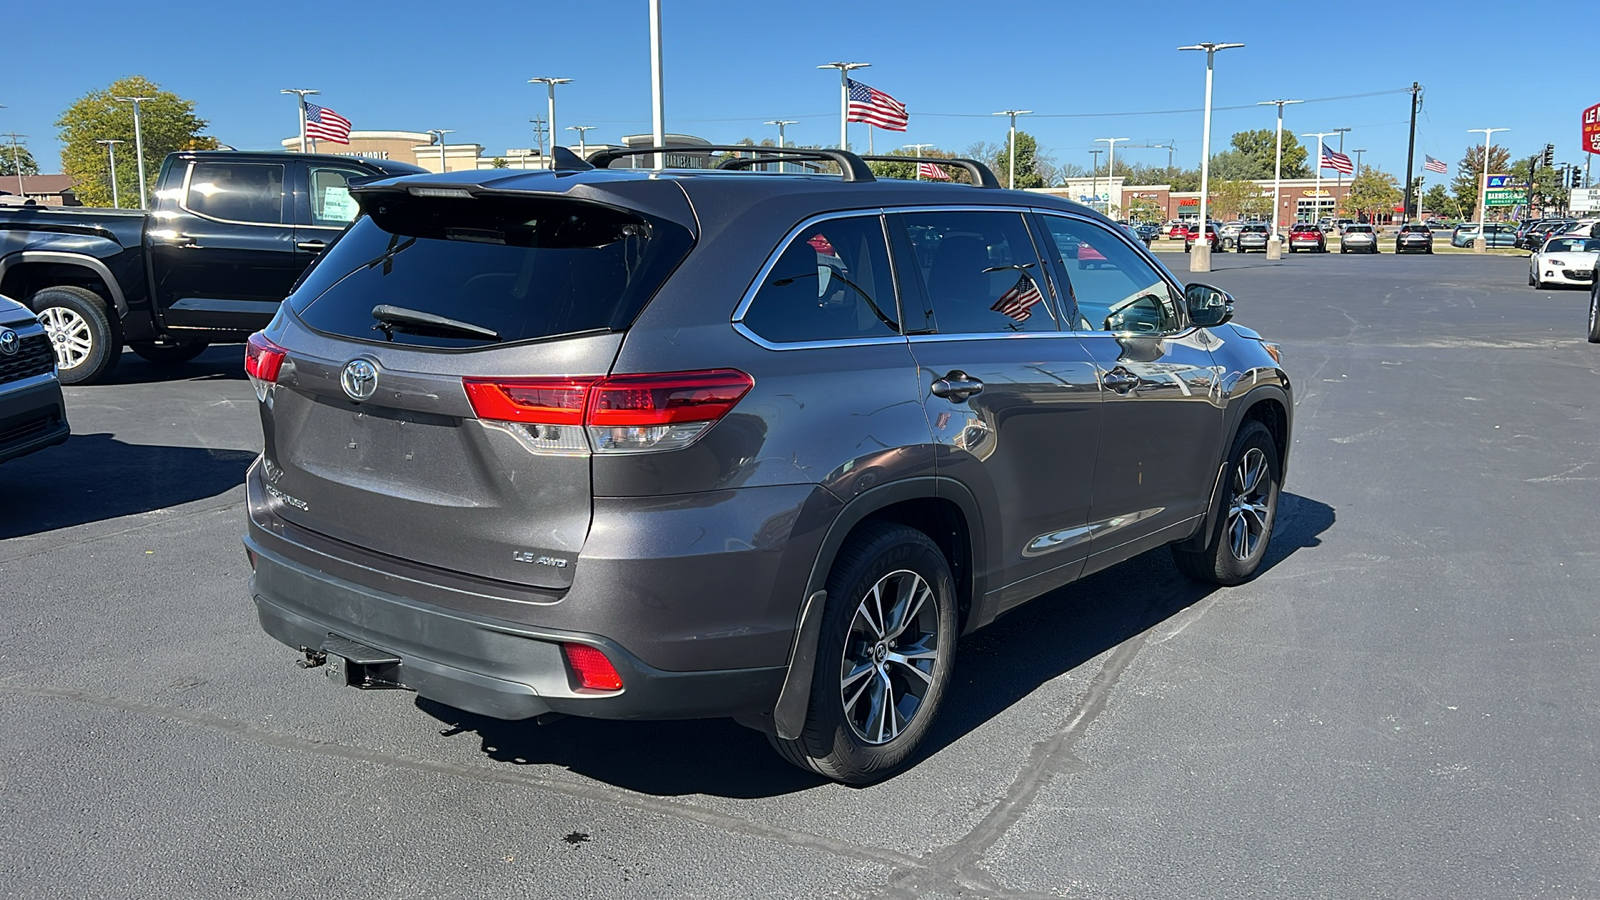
pixel 1248 507
pixel 884 658
pixel 87 342
pixel 1594 312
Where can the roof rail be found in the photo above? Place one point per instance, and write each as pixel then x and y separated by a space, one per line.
pixel 850 165
pixel 982 175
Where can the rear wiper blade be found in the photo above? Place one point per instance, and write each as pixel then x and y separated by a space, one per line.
pixel 389 317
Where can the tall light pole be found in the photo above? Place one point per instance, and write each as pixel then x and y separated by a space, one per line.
pixel 138 142
pixel 1274 240
pixel 1094 176
pixel 1011 179
pixel 583 145
pixel 844 96
pixel 111 147
pixel 919 148
pixel 782 141
pixel 441 132
pixel 550 100
pixel 658 102
pixel 1316 193
pixel 301 93
pixel 1482 243
pixel 1338 175
pixel 1358 161
pixel 1111 170
pixel 1200 255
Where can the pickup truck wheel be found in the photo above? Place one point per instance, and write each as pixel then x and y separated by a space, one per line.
pixel 88 343
pixel 170 354
pixel 1248 507
pixel 884 657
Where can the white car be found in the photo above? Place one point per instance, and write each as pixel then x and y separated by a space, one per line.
pixel 1564 259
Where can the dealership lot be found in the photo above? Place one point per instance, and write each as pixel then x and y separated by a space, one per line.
pixel 1401 705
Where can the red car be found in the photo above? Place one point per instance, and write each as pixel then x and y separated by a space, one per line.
pixel 1306 236
pixel 1212 237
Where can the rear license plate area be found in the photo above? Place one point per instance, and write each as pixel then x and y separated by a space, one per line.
pixel 353 664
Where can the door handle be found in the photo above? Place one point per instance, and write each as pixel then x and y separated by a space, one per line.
pixel 178 239
pixel 311 246
pixel 956 386
pixel 1120 380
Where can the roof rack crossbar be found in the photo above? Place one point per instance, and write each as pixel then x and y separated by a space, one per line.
pixel 850 165
pixel 982 175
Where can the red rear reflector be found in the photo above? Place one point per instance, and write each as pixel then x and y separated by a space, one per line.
pixel 262 358
pixel 542 401
pixel 642 400
pixel 594 671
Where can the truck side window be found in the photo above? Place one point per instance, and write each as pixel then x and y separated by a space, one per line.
pixel 331 203
pixel 237 192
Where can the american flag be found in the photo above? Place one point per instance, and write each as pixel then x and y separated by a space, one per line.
pixel 929 170
pixel 1433 165
pixel 1018 302
pixel 326 125
pixel 1333 160
pixel 874 107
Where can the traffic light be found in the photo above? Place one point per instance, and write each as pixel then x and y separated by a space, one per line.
pixel 1549 155
pixel 1577 177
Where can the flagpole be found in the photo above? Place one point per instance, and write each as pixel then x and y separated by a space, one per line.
pixel 869 139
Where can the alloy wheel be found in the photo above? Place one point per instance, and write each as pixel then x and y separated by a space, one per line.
pixel 1247 511
pixel 890 652
pixel 69 335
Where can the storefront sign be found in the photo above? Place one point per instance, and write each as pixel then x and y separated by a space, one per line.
pixel 1591 129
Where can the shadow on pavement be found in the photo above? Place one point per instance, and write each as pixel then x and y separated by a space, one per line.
pixel 223 362
pixel 995 669
pixel 95 476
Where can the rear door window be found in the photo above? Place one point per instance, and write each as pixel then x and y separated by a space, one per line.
pixel 832 282
pixel 512 269
pixel 974 272
pixel 237 192
pixel 332 206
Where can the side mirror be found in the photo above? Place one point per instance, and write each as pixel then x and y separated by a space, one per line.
pixel 1208 306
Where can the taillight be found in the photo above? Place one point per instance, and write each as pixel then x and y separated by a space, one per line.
pixel 594 672
pixel 619 414
pixel 262 360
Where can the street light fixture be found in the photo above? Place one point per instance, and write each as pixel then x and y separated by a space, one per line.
pixel 1337 174
pixel 301 94
pixel 1358 161
pixel 1275 241
pixel 1111 170
pixel 1011 179
pixel 111 147
pixel 919 148
pixel 583 146
pixel 782 141
pixel 441 132
pixel 550 98
pixel 1200 256
pixel 1094 177
pixel 138 142
pixel 1316 193
pixel 1482 243
pixel 844 96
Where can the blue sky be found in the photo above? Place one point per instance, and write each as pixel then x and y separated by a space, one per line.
pixel 730 67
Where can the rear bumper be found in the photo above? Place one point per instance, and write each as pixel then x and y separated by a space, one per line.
pixel 697 616
pixel 32 416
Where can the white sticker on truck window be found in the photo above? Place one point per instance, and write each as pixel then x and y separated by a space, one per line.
pixel 337 205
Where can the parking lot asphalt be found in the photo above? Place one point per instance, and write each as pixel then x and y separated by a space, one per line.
pixel 1402 705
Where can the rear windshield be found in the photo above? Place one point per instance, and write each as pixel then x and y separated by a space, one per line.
pixel 1359 229
pixel 1254 229
pixel 511 269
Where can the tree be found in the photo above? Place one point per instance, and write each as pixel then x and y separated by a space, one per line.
pixel 1372 193
pixel 11 157
pixel 167 121
pixel 1257 151
pixel 1469 174
pixel 1032 166
pixel 1231 197
pixel 1143 209
pixel 499 163
pixel 908 169
pixel 1438 201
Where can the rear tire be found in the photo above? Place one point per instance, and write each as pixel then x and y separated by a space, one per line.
pixel 1247 507
pixel 884 657
pixel 87 342
pixel 170 354
pixel 1594 312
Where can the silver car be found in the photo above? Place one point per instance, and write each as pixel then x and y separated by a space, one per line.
pixel 640 444
pixel 1358 238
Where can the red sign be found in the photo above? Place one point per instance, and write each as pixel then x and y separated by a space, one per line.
pixel 1195 201
pixel 1591 129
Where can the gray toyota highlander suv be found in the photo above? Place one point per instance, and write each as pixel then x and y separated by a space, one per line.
pixel 629 444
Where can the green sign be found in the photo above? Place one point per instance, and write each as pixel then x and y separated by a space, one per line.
pixel 1505 197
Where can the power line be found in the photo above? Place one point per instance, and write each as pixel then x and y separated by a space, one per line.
pixel 1162 112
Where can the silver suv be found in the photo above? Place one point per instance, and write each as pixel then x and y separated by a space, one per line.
pixel 693 443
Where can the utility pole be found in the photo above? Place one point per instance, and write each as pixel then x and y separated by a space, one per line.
pixel 16 160
pixel 538 133
pixel 301 94
pixel 1411 151
pixel 138 143
pixel 111 147
pixel 844 96
pixel 1011 180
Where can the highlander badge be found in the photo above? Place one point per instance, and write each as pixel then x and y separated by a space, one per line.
pixel 359 380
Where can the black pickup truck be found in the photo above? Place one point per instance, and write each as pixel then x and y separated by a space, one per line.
pixel 228 236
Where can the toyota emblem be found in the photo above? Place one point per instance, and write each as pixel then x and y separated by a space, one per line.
pixel 8 342
pixel 359 379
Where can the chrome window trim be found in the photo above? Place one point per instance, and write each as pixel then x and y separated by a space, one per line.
pixel 1166 275
pixel 188 176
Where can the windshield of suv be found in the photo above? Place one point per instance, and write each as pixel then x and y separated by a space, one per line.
pixel 514 268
